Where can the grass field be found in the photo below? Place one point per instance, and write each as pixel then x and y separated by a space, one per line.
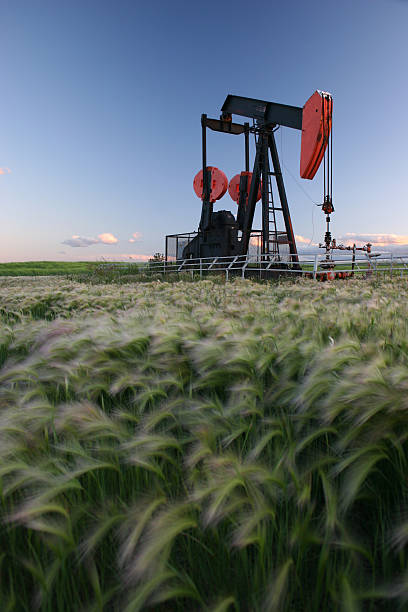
pixel 45 268
pixel 203 446
pixel 85 271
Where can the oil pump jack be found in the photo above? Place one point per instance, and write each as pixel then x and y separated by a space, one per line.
pixel 221 234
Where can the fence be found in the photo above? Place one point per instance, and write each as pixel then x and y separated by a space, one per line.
pixel 265 266
pixel 176 243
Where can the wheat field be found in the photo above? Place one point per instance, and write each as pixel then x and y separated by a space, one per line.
pixel 203 446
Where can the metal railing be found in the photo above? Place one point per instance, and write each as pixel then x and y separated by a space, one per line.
pixel 266 266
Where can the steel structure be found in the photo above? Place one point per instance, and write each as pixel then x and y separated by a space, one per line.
pixel 220 233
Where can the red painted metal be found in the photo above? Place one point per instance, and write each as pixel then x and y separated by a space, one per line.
pixel 219 183
pixel 233 188
pixel 316 126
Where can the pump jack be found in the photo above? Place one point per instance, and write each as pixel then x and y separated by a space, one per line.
pixel 220 233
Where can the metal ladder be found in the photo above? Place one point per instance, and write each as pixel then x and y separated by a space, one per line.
pixel 272 242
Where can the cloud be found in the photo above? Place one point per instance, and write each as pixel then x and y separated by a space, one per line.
pixel 123 257
pixel 80 241
pixel 302 240
pixel 136 237
pixel 83 241
pixel 133 257
pixel 255 241
pixel 107 238
pixel 5 170
pixel 101 257
pixel 376 239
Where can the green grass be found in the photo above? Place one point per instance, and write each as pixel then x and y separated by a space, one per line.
pixel 82 271
pixel 203 446
pixel 46 268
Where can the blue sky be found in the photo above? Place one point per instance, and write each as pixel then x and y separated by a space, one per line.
pixel 100 110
